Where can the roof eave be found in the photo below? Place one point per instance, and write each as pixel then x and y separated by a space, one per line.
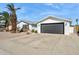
pixel 62 19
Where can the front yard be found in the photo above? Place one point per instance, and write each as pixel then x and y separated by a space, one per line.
pixel 21 43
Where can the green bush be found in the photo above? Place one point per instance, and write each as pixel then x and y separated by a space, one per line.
pixel 33 30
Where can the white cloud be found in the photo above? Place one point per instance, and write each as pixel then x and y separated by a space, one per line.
pixel 21 13
pixel 53 5
pixel 23 17
pixel 49 4
pixel 22 10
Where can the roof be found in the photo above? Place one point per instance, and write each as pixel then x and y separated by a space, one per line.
pixel 56 18
pixel 27 21
pixel 21 21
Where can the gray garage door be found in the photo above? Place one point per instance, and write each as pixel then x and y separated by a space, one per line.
pixel 56 28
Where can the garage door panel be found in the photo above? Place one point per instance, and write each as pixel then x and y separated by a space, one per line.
pixel 57 28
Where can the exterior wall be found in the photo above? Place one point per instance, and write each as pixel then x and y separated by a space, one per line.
pixel 67 32
pixel 35 28
pixel 68 29
pixel 39 28
pixel 71 30
pixel 31 27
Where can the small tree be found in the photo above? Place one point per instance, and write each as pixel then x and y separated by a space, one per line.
pixel 77 27
pixel 77 21
pixel 70 23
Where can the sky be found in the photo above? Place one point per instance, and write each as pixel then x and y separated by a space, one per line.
pixel 36 11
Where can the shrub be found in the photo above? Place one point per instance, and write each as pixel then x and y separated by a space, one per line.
pixel 33 30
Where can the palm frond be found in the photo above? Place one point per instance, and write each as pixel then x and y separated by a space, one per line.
pixel 11 7
pixel 18 8
pixel 6 14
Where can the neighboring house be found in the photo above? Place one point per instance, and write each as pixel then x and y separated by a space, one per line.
pixel 2 25
pixel 28 24
pixel 55 25
pixel 22 25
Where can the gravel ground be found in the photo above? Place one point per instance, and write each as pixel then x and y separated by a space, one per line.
pixel 38 44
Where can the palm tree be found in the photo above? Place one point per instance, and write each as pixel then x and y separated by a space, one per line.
pixel 13 16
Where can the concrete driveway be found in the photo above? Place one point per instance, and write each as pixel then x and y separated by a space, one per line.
pixel 36 44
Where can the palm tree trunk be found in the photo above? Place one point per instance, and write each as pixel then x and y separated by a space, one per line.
pixel 14 19
pixel 6 25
